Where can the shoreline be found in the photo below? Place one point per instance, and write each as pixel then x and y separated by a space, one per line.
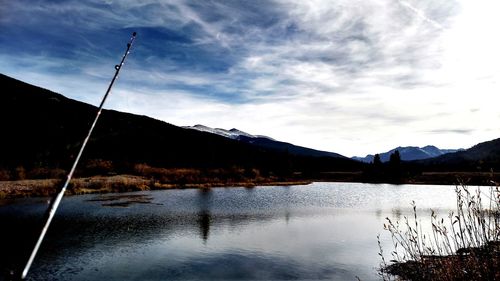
pixel 118 184
pixel 129 183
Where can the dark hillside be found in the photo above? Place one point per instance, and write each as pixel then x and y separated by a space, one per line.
pixel 43 129
pixel 481 157
pixel 287 147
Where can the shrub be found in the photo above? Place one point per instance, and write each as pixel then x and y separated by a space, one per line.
pixel 20 173
pixel 98 167
pixel 4 175
pixel 46 173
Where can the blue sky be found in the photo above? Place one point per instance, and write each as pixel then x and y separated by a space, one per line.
pixel 353 77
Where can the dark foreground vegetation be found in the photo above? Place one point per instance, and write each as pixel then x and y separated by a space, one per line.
pixel 463 246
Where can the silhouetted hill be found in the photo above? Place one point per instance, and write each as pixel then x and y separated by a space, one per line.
pixel 288 147
pixel 45 129
pixel 481 157
pixel 265 142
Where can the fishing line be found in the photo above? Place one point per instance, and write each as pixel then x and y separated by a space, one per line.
pixel 57 199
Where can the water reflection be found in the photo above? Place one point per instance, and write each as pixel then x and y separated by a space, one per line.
pixel 287 217
pixel 204 218
pixel 204 223
pixel 332 233
pixel 396 213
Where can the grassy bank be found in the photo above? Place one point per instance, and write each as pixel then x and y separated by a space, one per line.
pixel 118 183
pixel 144 177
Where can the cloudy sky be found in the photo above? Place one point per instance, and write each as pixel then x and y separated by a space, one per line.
pixel 348 76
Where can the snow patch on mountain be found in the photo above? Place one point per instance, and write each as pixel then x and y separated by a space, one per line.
pixel 233 133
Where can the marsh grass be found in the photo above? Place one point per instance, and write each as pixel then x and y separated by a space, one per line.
pixel 148 178
pixel 463 246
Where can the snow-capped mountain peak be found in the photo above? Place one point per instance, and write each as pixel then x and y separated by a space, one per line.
pixel 232 133
pixel 264 142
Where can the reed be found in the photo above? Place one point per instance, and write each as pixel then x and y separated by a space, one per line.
pixel 463 246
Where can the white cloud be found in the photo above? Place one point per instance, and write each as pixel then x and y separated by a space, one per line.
pixel 354 77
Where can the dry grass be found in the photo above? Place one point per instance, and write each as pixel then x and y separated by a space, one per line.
pixel 102 184
pixel 48 187
pixel 463 246
pixel 186 178
pixel 23 188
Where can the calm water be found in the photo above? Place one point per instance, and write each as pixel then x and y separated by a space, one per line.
pixel 318 231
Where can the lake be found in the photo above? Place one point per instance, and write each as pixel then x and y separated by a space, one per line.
pixel 316 231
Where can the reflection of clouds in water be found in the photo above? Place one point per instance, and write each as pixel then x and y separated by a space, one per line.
pixel 251 265
pixel 333 227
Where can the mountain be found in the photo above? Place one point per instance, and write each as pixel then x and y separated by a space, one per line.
pixel 44 130
pixel 265 142
pixel 481 157
pixel 232 133
pixel 409 153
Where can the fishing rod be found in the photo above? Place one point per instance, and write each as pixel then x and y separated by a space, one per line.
pixel 57 199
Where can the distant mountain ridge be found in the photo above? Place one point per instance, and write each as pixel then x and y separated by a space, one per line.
pixel 265 142
pixel 409 153
pixel 232 133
